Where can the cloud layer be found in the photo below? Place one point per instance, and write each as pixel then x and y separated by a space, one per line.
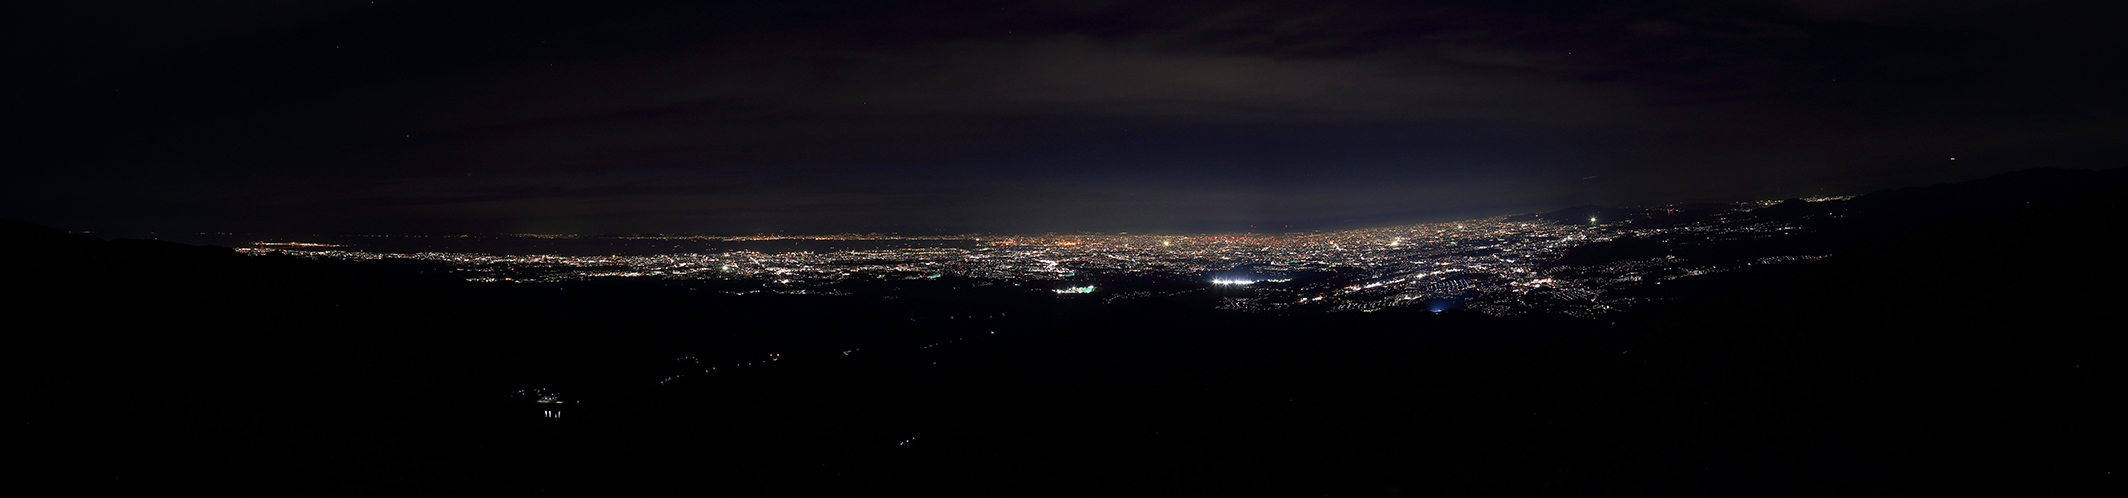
pixel 693 117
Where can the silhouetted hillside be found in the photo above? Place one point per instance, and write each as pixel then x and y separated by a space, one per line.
pixel 1970 309
pixel 2067 203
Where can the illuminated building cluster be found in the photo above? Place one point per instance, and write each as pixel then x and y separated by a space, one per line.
pixel 1499 265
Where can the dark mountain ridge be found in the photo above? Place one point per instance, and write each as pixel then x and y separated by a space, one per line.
pixel 2042 203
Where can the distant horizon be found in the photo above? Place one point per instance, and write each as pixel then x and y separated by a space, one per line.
pixel 914 235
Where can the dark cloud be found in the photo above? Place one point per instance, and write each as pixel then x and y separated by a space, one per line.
pixel 753 116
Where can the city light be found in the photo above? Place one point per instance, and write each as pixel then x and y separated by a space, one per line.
pixel 1497 265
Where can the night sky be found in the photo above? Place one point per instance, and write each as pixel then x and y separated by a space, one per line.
pixel 621 116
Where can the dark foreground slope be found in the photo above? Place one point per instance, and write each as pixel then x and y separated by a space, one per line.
pixel 1956 340
pixel 1962 336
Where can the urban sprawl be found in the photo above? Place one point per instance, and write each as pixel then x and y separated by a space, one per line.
pixel 1499 266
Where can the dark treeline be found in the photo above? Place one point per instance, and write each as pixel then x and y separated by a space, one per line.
pixel 1961 337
